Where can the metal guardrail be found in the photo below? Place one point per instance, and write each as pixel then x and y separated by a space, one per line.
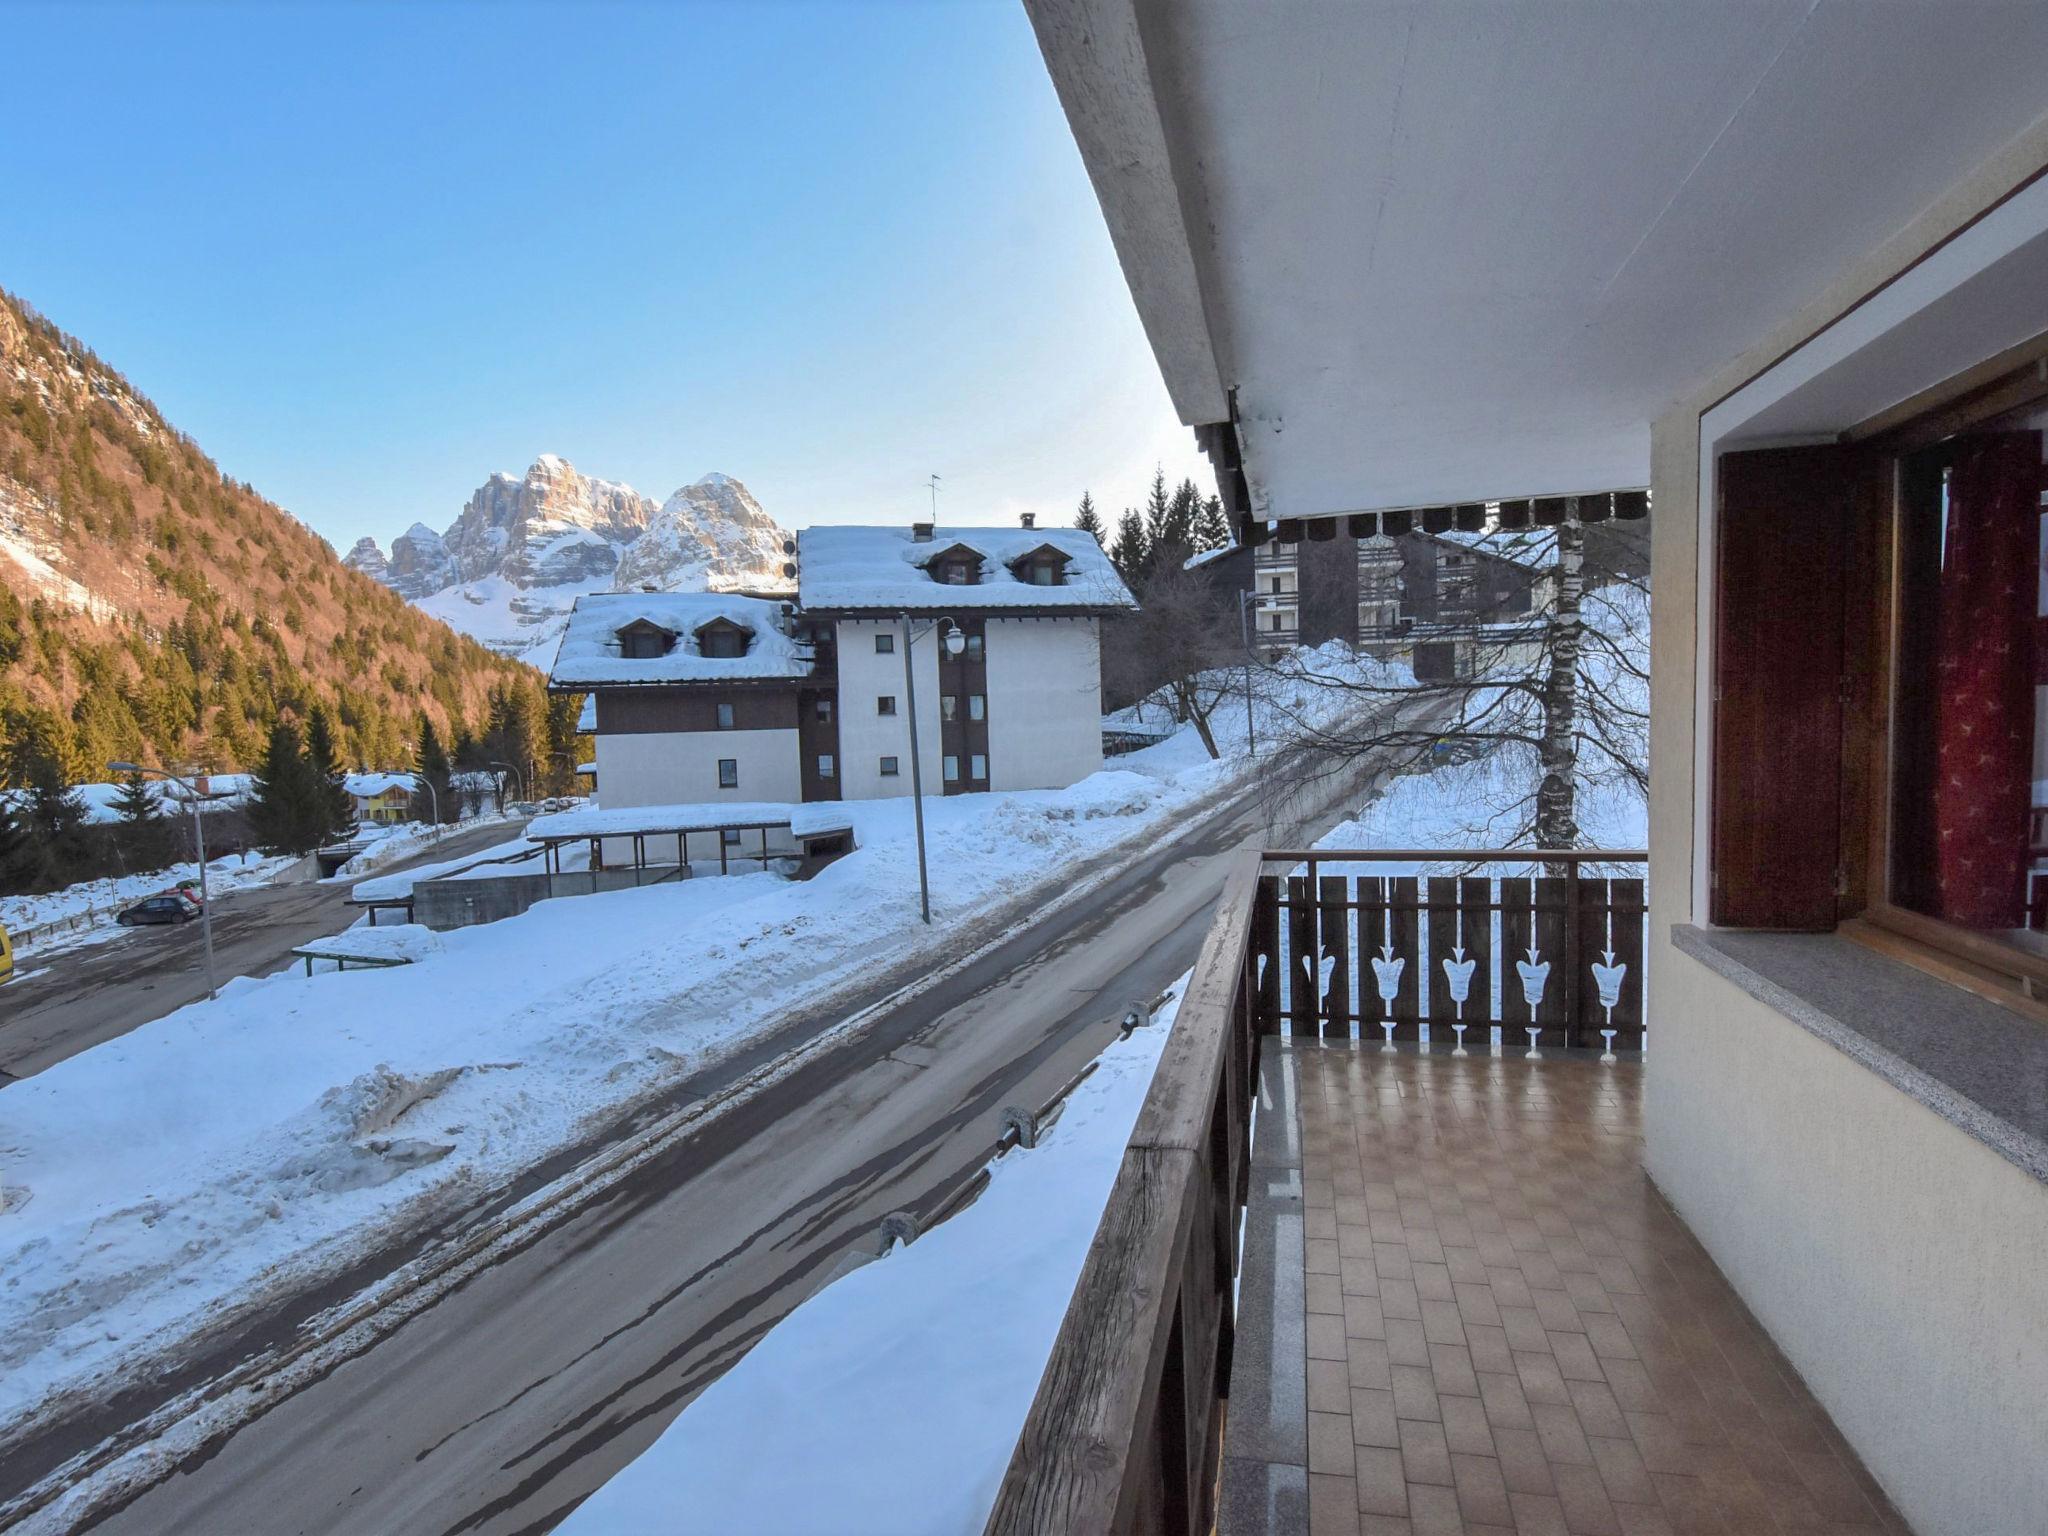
pixel 1125 1434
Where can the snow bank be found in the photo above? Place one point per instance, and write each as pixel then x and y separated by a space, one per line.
pixel 907 1381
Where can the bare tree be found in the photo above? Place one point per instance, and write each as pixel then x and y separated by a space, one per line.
pixel 1183 643
pixel 1536 656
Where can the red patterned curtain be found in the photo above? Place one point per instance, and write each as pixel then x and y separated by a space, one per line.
pixel 1984 681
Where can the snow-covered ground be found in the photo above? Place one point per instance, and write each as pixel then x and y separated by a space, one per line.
pixel 252 1143
pixel 905 1382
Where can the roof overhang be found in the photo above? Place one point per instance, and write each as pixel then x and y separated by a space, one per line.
pixel 1442 253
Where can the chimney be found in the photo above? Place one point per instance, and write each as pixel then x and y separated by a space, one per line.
pixel 920 533
pixel 1028 519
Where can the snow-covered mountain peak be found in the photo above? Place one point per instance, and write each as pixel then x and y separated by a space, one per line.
pixel 526 546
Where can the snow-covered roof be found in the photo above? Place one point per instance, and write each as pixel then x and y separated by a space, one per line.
pixel 879 569
pixel 652 820
pixel 1196 562
pixel 589 653
pixel 1520 546
pixel 365 785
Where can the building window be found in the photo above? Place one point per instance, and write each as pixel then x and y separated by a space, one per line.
pixel 957 575
pixel 644 644
pixel 974 648
pixel 1275 580
pixel 1276 621
pixel 888 767
pixel 952 769
pixel 977 707
pixel 949 707
pixel 885 704
pixel 977 768
pixel 1043 575
pixel 826 767
pixel 730 836
pixel 722 641
pixel 725 717
pixel 728 773
pixel 825 710
pixel 885 644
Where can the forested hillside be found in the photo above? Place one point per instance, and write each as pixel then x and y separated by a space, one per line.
pixel 150 607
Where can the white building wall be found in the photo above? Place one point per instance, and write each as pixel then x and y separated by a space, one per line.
pixel 681 767
pixel 866 737
pixel 1044 702
pixel 1899 1263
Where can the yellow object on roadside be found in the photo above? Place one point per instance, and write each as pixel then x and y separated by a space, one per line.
pixel 6 954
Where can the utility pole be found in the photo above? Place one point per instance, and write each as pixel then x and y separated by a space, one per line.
pixel 1244 625
pixel 933 485
pixel 952 642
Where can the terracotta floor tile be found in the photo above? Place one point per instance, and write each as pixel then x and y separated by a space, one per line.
pixel 1483 1226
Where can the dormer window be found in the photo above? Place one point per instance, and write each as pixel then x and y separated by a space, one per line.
pixel 955 566
pixel 1045 566
pixel 721 639
pixel 644 640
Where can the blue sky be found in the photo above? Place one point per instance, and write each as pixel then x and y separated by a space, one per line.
pixel 366 255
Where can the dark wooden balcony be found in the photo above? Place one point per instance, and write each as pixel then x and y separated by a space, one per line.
pixel 1381 1256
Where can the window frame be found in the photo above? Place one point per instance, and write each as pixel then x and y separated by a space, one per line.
pixel 890 767
pixel 827 765
pixel 728 773
pixel 885 642
pixel 726 716
pixel 1993 968
pixel 885 706
pixel 977 706
pixel 949 768
pixel 977 768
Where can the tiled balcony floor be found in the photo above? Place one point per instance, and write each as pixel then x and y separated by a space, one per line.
pixel 1502 1326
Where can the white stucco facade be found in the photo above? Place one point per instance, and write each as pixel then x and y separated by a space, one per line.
pixel 866 736
pixel 1044 701
pixel 681 767
pixel 1899 1262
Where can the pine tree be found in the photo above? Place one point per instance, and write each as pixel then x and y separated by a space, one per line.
pixel 1212 528
pixel 1087 520
pixel 436 797
pixel 1130 553
pixel 1158 507
pixel 19 859
pixel 145 834
pixel 56 816
pixel 328 782
pixel 1176 538
pixel 287 809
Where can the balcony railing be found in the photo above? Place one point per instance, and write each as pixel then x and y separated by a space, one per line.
pixel 1125 1434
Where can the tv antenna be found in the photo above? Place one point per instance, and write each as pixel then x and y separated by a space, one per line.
pixel 932 484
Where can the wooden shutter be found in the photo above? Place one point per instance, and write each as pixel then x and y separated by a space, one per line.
pixel 1786 516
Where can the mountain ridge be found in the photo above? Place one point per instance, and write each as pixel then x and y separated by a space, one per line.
pixel 524 547
pixel 151 607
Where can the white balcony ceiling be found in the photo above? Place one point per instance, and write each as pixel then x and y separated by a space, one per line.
pixel 1470 249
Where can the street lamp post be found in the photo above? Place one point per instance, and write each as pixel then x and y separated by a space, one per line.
pixel 1244 624
pixel 519 781
pixel 954 643
pixel 199 847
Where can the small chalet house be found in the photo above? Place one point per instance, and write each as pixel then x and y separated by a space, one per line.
pixel 698 698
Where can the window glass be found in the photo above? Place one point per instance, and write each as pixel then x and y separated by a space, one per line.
pixel 1969 774
pixel 885 644
pixel 952 769
pixel 977 707
pixel 888 767
pixel 1043 575
pixel 956 575
pixel 728 773
pixel 885 704
pixel 974 647
pixel 730 836
pixel 722 641
pixel 825 765
pixel 949 707
pixel 824 709
pixel 978 767
pixel 725 717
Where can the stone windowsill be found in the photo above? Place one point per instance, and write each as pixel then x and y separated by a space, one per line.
pixel 1981 1067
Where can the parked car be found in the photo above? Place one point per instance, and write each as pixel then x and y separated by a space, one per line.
pixel 6 954
pixel 158 909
